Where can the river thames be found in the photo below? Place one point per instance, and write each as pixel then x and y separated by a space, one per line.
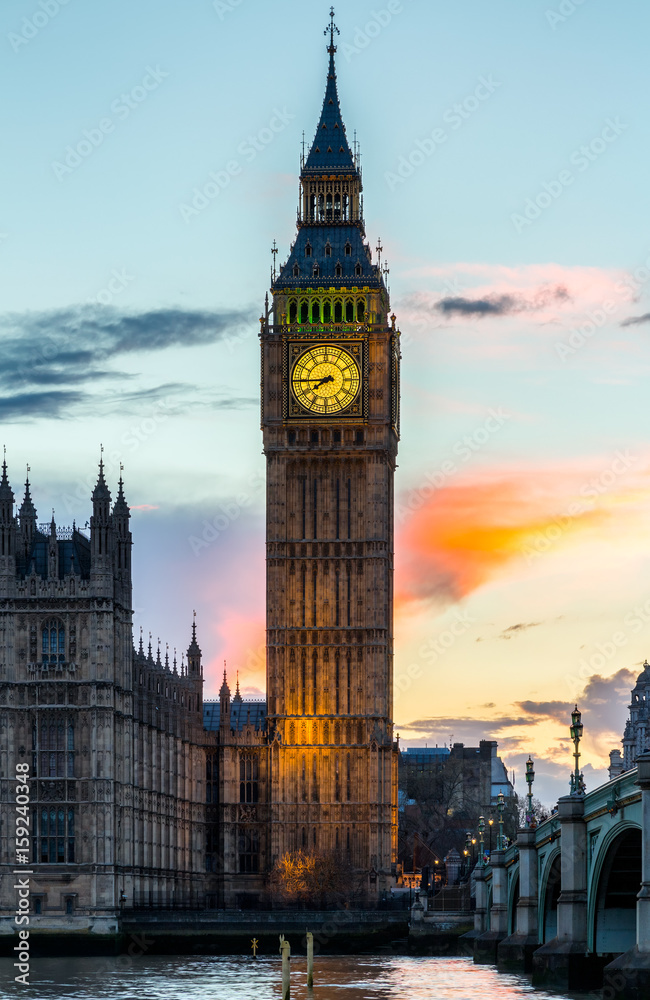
pixel 366 977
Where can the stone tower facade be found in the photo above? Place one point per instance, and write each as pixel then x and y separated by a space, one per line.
pixel 112 737
pixel 330 420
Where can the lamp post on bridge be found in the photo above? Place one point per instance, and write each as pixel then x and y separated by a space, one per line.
pixel 501 804
pixel 481 840
pixel 531 820
pixel 576 730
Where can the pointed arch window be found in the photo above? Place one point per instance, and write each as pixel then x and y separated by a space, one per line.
pixel 328 249
pixel 358 270
pixel 293 311
pixel 308 250
pixel 296 271
pixel 53 641
pixel 348 249
pixel 338 270
pixel 316 271
pixel 248 778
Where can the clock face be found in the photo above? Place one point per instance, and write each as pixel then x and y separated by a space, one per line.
pixel 325 379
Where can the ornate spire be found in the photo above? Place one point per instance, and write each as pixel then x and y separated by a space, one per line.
pixel 330 151
pixel 6 493
pixel 101 491
pixel 237 697
pixel 158 661
pixel 27 510
pixel 194 646
pixel 224 690
pixel 141 648
pixel 120 506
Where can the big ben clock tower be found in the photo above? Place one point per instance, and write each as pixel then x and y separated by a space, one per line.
pixel 330 419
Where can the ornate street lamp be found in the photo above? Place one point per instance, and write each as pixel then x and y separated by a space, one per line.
pixel 577 779
pixel 501 804
pixel 481 840
pixel 531 820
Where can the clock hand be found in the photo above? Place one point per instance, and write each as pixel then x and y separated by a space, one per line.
pixel 319 382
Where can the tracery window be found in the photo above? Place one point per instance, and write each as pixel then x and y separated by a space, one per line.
pixel 53 835
pixel 53 641
pixel 53 748
pixel 248 778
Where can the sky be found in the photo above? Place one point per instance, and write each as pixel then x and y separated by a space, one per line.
pixel 152 154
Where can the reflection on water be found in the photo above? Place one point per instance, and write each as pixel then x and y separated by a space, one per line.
pixel 367 977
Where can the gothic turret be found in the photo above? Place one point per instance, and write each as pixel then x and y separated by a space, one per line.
pixel 27 519
pixel 101 537
pixel 8 527
pixel 52 552
pixel 122 545
pixel 224 703
pixel 194 667
pixel 329 276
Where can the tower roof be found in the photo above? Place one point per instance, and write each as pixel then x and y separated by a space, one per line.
pixel 193 647
pixel 121 506
pixel 6 492
pixel 101 491
pixel 330 151
pixel 27 508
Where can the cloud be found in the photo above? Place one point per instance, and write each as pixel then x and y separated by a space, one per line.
pixel 636 320
pixel 514 629
pixel 493 522
pixel 503 305
pixel 558 711
pixel 76 347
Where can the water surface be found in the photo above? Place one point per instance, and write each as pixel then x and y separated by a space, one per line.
pixel 367 977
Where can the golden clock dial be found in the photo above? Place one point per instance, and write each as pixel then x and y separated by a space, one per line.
pixel 325 379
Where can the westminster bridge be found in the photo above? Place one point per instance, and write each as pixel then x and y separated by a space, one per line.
pixel 570 899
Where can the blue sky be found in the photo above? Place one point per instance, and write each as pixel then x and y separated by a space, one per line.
pixel 521 210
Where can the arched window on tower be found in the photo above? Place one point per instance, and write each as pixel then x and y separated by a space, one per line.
pixel 296 271
pixel 293 311
pixel 321 208
pixel 308 250
pixel 361 310
pixel 329 206
pixel 337 207
pixel 349 311
pixel 328 249
pixel 248 778
pixel 53 642
pixel 312 207
pixel 338 311
pixel 358 270
pixel 346 207
pixel 348 249
pixel 327 311
pixel 315 309
pixel 304 311
pixel 338 270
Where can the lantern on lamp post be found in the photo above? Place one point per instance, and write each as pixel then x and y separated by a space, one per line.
pixel 501 804
pixel 576 730
pixel 531 821
pixel 481 840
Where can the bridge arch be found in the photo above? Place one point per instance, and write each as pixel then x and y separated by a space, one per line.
pixel 613 887
pixel 549 893
pixel 513 899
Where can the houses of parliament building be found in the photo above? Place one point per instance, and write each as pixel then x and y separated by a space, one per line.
pixel 143 793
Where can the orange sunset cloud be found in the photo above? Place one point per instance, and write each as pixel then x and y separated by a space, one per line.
pixel 453 540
